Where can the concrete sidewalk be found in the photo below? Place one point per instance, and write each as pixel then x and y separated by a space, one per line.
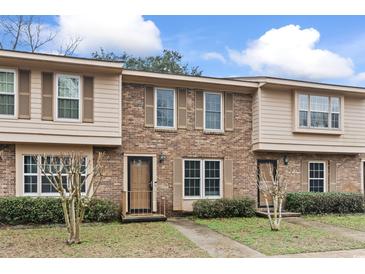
pixel 353 253
pixel 217 245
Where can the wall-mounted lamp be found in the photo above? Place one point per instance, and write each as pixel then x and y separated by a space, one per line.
pixel 286 160
pixel 162 157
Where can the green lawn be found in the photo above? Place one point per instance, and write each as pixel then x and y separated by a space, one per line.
pixel 99 240
pixel 292 238
pixel 353 221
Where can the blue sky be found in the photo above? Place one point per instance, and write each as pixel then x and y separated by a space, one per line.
pixel 319 48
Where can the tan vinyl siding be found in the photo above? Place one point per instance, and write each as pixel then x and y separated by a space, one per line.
pixel 255 117
pixel 105 130
pixel 277 120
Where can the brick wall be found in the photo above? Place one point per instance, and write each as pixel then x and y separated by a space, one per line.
pixel 180 143
pixel 7 170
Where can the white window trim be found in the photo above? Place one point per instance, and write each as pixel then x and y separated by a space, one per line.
pixel 79 98
pixel 39 174
pixel 324 174
pixel 14 116
pixel 202 180
pixel 155 108
pixel 222 114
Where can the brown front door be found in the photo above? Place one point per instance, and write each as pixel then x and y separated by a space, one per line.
pixel 266 169
pixel 140 184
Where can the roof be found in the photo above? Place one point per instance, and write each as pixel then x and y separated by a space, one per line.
pixel 59 58
pixel 298 83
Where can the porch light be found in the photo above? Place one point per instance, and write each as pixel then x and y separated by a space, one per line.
pixel 162 157
pixel 286 160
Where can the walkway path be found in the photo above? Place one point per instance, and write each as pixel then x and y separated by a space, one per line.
pixel 346 232
pixel 353 253
pixel 217 245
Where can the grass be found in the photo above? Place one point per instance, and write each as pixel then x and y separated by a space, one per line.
pixel 99 240
pixel 352 221
pixel 255 233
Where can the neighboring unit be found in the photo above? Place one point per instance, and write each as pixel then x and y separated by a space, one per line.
pixel 173 139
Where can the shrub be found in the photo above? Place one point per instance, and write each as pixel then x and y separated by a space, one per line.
pixel 30 210
pixel 325 202
pixel 237 207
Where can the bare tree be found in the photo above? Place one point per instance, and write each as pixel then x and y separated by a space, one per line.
pixel 79 173
pixel 273 187
pixel 35 35
pixel 69 48
pixel 30 33
pixel 12 27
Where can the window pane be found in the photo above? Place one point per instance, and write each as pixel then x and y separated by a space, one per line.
pixel 30 184
pixel 319 103
pixel 335 120
pixel 7 82
pixel 212 111
pixel 7 104
pixel 303 118
pixel 319 119
pixel 165 108
pixel 335 104
pixel 30 165
pixel 46 186
pixel 212 178
pixel 192 178
pixel 316 177
pixel 68 108
pixel 68 87
pixel 303 102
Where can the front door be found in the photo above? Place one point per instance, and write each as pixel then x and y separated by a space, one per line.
pixel 140 184
pixel 266 169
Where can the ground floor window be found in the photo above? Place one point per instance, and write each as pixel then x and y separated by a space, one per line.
pixel 317 176
pixel 202 178
pixel 36 183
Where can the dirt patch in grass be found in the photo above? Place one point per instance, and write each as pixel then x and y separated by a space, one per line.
pixel 101 240
pixel 291 239
pixel 352 221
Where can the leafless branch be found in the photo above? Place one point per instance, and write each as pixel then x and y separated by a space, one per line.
pixel 34 34
pixel 70 47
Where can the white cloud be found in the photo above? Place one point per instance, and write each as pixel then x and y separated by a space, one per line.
pixel 214 56
pixel 292 51
pixel 117 32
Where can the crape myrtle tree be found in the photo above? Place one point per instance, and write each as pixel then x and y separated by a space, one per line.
pixel 170 61
pixel 69 174
pixel 273 186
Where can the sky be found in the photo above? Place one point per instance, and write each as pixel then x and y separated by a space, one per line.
pixel 316 48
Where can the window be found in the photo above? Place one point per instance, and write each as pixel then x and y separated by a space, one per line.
pixel 317 175
pixel 212 111
pixel 202 178
pixel 7 92
pixel 36 183
pixel 165 108
pixel 68 97
pixel 319 111
pixel 303 110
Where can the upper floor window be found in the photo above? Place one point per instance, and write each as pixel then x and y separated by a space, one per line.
pixel 7 92
pixel 68 97
pixel 165 108
pixel 213 111
pixel 319 111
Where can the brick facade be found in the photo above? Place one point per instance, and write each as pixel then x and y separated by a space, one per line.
pixel 7 170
